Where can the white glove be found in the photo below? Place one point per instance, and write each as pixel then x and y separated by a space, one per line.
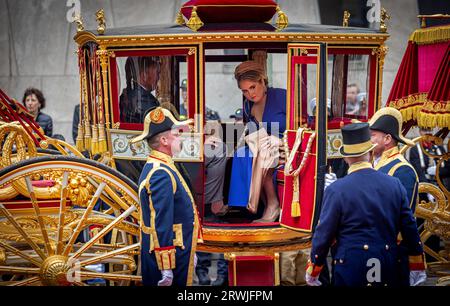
pixel 167 278
pixel 431 198
pixel 329 179
pixel 417 277
pixel 312 281
pixel 431 170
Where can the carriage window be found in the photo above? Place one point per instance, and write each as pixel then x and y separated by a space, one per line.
pixel 148 81
pixel 348 85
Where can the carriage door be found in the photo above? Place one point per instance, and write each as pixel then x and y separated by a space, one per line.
pixel 305 136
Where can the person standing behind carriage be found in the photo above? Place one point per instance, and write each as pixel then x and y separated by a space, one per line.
pixel 361 217
pixel 34 101
pixel 169 221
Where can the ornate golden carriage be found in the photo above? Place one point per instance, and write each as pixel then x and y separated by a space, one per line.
pixel 69 215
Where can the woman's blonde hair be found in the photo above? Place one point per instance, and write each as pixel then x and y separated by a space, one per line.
pixel 250 70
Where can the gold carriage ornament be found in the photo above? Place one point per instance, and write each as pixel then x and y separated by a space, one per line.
pixel 85 196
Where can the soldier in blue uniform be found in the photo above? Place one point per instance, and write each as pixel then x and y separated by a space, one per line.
pixel 386 132
pixel 362 214
pixel 169 220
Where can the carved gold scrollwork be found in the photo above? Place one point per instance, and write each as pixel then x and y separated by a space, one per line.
pixel 100 17
pixel 383 17
pixel 192 51
pixel 2 256
pixel 380 52
pixel 303 51
pixel 345 18
pixel 79 23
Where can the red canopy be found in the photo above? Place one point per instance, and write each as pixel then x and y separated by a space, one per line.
pixel 420 72
pixel 436 110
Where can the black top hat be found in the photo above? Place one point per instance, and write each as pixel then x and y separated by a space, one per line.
pixel 158 120
pixel 389 121
pixel 356 140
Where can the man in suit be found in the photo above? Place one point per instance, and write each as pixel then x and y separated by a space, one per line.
pixel 361 217
pixel 169 221
pixel 142 76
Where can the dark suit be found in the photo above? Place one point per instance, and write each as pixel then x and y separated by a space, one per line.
pixel 361 217
pixel 169 222
pixel 134 103
pixel 46 123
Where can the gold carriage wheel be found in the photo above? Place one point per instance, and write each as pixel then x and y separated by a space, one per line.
pixel 41 241
pixel 432 212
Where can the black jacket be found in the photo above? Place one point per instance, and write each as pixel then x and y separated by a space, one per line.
pixel 134 103
pixel 46 123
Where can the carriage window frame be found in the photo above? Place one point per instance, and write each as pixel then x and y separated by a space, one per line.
pixel 191 53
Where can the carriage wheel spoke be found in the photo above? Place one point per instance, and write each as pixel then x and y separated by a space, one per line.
pixel 86 214
pixel 103 232
pixel 62 211
pixel 109 254
pixel 19 270
pixel 110 276
pixel 37 211
pixel 26 282
pixel 19 228
pixel 20 253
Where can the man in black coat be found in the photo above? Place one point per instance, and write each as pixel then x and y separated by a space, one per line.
pixel 142 76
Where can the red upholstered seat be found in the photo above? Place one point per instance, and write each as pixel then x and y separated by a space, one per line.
pixel 219 11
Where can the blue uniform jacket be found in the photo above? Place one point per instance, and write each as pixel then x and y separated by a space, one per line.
pixel 362 214
pixel 169 222
pixel 394 164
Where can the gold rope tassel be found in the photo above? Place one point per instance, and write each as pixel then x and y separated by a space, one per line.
pixel 87 135
pixel 194 23
pixel 295 208
pixel 102 145
pixel 94 143
pixel 282 20
pixel 179 20
pixel 80 141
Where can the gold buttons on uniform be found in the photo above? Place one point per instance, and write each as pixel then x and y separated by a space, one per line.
pixel 341 261
pixel 316 256
pixel 369 284
pixel 387 247
pixel 366 247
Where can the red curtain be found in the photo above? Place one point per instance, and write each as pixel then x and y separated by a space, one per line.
pixel 405 95
pixel 430 57
pixel 436 110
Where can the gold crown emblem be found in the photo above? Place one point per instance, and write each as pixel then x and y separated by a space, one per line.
pixel 157 116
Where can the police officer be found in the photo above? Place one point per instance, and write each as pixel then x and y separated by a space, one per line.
pixel 362 214
pixel 169 221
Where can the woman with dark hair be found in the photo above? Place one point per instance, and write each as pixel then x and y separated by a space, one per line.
pixel 265 117
pixel 34 101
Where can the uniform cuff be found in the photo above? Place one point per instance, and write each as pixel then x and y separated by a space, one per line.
pixel 417 263
pixel 313 270
pixel 165 258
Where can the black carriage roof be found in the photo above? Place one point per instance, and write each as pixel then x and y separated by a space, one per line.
pixel 174 29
